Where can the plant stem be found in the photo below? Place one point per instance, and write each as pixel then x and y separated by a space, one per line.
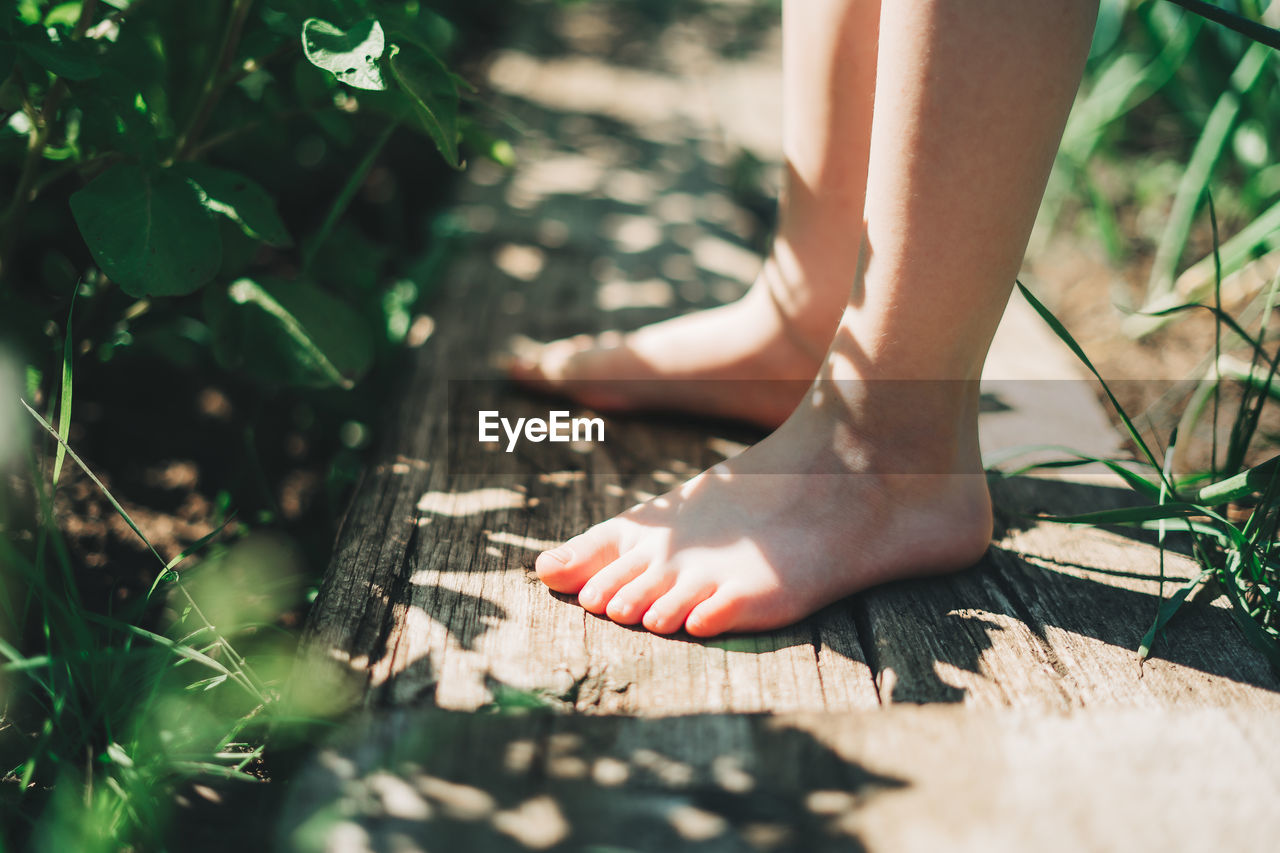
pixel 216 81
pixel 198 151
pixel 344 197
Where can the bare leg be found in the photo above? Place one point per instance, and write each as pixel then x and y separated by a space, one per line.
pixel 780 329
pixel 876 475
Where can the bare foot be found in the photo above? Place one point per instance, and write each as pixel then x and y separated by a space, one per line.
pixel 751 360
pixel 831 503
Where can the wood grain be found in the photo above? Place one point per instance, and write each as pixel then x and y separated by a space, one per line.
pixel 901 779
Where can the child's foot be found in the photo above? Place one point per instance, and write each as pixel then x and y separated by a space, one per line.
pixel 838 499
pixel 751 360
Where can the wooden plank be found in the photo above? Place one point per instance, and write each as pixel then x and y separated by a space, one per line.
pixel 1091 595
pixel 897 779
pixel 1053 618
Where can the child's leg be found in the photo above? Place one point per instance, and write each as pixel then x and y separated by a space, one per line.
pixel 874 477
pixel 780 329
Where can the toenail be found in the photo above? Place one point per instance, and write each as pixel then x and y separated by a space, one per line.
pixel 561 555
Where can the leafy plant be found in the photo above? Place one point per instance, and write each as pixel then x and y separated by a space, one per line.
pixel 165 147
pixel 192 177
pixel 1242 557
pixel 102 711
pixel 1230 510
pixel 1189 92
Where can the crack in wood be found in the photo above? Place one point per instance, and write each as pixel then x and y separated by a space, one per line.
pixel 866 641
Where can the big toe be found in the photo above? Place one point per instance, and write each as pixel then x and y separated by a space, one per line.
pixel 568 567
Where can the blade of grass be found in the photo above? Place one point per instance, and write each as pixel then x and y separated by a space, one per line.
pixel 1196 282
pixel 94 477
pixel 1195 179
pixel 1166 611
pixel 18 663
pixel 64 398
pixel 1254 30
pixel 239 660
pixel 1128 515
pixel 180 650
pixel 187 552
pixel 1066 338
pixel 1219 315
pixel 345 195
pixel 1263 639
pixel 1139 484
pixel 1217 339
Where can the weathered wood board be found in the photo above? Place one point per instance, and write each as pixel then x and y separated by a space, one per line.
pixel 904 779
pixel 431 593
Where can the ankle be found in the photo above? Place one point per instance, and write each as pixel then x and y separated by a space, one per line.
pixel 807 309
pixel 908 427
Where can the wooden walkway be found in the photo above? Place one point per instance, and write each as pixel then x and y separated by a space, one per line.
pixel 1040 727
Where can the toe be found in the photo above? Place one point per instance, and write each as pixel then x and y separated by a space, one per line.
pixel 714 616
pixel 568 567
pixel 631 602
pixel 596 594
pixel 670 611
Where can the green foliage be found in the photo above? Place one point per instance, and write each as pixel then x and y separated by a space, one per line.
pixel 1194 87
pixel 148 231
pixel 189 175
pixel 351 56
pixel 1244 559
pixel 152 135
pixel 239 199
pixel 101 715
pixel 1220 81
pixel 290 332
pixel 434 96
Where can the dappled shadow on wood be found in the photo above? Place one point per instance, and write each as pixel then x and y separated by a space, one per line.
pixel 430 780
pixel 1016 631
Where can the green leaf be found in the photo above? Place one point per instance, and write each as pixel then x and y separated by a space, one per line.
pixel 351 55
pixel 148 231
pixel 435 96
pixel 241 200
pixel 1204 158
pixel 1065 337
pixel 64 14
pixel 1129 515
pixel 289 333
pixel 1239 486
pixel 64 57
pixel 1166 611
pixel 64 399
